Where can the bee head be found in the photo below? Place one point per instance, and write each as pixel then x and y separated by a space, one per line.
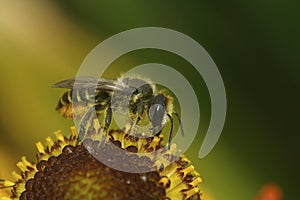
pixel 157 110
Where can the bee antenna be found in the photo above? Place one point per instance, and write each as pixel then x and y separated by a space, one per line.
pixel 180 123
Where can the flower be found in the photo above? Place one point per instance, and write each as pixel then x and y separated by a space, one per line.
pixel 69 169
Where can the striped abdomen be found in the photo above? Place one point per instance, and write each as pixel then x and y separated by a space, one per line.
pixel 83 98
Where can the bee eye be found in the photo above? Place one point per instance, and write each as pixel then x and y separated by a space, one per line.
pixel 156 114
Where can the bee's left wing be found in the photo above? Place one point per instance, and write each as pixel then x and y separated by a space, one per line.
pixel 85 82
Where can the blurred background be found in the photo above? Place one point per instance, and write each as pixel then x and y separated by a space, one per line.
pixel 255 45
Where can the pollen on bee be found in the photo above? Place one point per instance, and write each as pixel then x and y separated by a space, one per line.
pixel 66 111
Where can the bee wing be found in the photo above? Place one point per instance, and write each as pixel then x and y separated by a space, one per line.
pixel 89 82
pixel 68 83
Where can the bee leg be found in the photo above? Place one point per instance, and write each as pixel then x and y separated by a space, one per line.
pixel 86 122
pixel 138 119
pixel 155 132
pixel 180 123
pixel 171 131
pixel 134 125
pixel 108 118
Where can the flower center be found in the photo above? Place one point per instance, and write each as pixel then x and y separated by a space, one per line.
pixel 76 174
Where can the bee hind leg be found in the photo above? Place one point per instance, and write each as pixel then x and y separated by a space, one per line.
pixel 87 122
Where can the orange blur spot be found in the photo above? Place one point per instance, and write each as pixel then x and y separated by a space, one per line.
pixel 270 192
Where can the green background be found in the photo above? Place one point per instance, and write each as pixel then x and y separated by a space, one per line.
pixel 255 45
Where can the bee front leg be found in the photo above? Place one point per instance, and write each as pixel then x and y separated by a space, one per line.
pixel 135 124
pixel 171 130
pixel 140 112
pixel 108 118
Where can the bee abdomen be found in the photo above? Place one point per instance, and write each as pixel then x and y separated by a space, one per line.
pixel 80 98
pixel 64 105
pixel 64 100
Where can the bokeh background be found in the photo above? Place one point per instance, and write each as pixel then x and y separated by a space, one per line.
pixel 255 45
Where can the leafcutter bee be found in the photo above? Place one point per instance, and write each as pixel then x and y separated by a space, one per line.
pixel 136 97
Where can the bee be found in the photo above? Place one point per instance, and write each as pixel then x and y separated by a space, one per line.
pixel 135 96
